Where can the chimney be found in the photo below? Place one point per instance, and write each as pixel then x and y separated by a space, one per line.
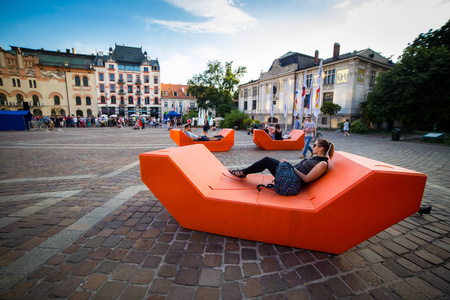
pixel 74 51
pixel 336 50
pixel 316 57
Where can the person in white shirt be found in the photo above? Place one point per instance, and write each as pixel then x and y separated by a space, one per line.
pixel 310 128
pixel 194 137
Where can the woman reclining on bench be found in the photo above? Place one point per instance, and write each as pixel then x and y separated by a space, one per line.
pixel 194 137
pixel 307 170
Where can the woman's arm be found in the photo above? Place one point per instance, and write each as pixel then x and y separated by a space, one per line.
pixel 315 173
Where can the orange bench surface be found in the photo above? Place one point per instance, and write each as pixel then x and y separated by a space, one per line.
pixel 356 199
pixel 225 144
pixel 264 141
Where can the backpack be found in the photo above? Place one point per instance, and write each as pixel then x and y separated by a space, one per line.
pixel 286 182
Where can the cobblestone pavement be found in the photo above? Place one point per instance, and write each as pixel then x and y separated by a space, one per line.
pixel 76 222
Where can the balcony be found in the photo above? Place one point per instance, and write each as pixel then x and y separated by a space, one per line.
pixel 121 81
pixel 121 92
pixel 122 103
pixel 138 92
pixel 138 82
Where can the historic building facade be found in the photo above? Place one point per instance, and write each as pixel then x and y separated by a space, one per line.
pixel 47 82
pixel 175 97
pixel 127 82
pixel 346 80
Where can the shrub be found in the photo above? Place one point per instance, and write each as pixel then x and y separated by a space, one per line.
pixel 247 123
pixel 234 118
pixel 341 125
pixel 192 114
pixel 358 126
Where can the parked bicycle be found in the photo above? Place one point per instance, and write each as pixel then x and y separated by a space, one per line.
pixel 37 125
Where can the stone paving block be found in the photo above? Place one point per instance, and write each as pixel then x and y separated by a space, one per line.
pixel 232 246
pixel 167 271
pixel 143 277
pixel 124 272
pixel 112 241
pixel 178 246
pixel 212 260
pixel 134 292
pixel 291 278
pixel 214 248
pixel 406 243
pixel 18 290
pixel 308 273
pixel 110 290
pixel 232 258
pixel 369 277
pixel 65 288
pixel 56 260
pixel 436 281
pixel 232 273
pixel 41 272
pixel 106 267
pixel 85 268
pixel 355 259
pixel 370 255
pixel 250 269
pixel 191 261
pixel 438 251
pixel 193 248
pixel 384 273
pixel 100 253
pixel 181 292
pixel 117 254
pixel 248 254
pixel 270 264
pixel 326 268
pixel 319 291
pixel 272 283
pixel 408 265
pixel 187 277
pixel 231 291
pixel 338 287
pixel 159 249
pixel 59 273
pixel 80 255
pixel 135 257
pixel 204 293
pixel 382 251
pixel 210 277
pixel 354 282
pixel 94 281
pixel 424 287
pixel 384 293
pixel 173 257
pixel 406 291
pixel 289 260
pixel 429 257
pixel 152 262
pixel 341 263
pixel 252 288
pixel 266 250
pixel 397 269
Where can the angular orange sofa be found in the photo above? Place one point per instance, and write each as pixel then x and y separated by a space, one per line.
pixel 356 199
pixel 264 141
pixel 225 144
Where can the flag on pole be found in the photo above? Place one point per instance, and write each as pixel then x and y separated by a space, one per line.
pixel 303 95
pixel 319 83
pixel 187 109
pixel 311 96
pixel 285 97
pixel 296 99
pixel 173 106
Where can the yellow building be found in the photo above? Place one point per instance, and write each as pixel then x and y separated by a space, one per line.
pixel 47 82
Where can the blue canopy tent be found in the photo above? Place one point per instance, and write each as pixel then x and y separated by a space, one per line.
pixel 171 115
pixel 14 120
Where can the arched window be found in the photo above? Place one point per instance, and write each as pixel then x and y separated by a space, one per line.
pixel 113 99
pixel 122 101
pixel 102 100
pixel 37 112
pixel 53 113
pixel 57 101
pixel 14 82
pixel 85 81
pixel 1 81
pixel 63 112
pixel 89 112
pixel 35 100
pixel 19 98
pixel 77 81
pixel 79 113
pixel 130 100
pixel 147 100
pixel 156 100
pixel 88 100
pixel 2 99
pixel 78 100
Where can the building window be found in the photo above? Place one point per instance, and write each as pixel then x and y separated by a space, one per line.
pixel 88 100
pixel 102 100
pixel 111 77
pixel 78 100
pixel 155 79
pixel 245 105
pixel 175 94
pixel 130 78
pixel 112 88
pixel 19 98
pixel 102 88
pixel 2 99
pixel 18 82
pixel 305 105
pixel 31 83
pixel 166 104
pixel 111 67
pixel 1 81
pixel 308 80
pixel 34 83
pixel 328 97
pixel 147 100
pixel 77 81
pixel 113 99
pixel 14 82
pixel 100 77
pixel 373 75
pixel 254 104
pixel 122 101
pixel 254 92
pixel 89 112
pixel 156 100
pixel 245 93
pixel 35 100
pixel 130 100
pixel 145 69
pixel 56 100
pixel 156 91
pixel 85 81
pixel 130 89
pixel 120 77
pixel 329 77
pixel 146 79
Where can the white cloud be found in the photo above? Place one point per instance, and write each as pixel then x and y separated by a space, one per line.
pixel 222 17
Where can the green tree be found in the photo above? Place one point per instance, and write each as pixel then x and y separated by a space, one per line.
pixel 216 85
pixel 330 108
pixel 234 118
pixel 415 91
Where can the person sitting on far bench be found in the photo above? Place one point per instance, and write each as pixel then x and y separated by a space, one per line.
pixel 194 137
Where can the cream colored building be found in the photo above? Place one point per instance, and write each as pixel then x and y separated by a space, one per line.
pixel 176 96
pixel 346 80
pixel 47 82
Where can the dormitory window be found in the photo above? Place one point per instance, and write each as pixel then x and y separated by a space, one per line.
pixel 111 77
pixel 77 81
pixel 88 100
pixel 102 100
pixel 156 100
pixel 156 91
pixel 130 100
pixel 155 80
pixel 57 101
pixel 85 81
pixel 113 99
pixel 78 101
pixel 100 76
pixel 102 88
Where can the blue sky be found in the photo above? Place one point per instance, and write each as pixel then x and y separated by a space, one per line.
pixel 185 34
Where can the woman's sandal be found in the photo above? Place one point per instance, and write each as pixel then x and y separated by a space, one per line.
pixel 237 173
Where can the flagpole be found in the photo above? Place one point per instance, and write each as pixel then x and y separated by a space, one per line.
pixel 285 104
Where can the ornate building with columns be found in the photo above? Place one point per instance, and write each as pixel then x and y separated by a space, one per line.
pixel 346 80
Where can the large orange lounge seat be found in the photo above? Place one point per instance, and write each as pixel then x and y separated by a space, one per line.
pixel 225 144
pixel 264 141
pixel 356 199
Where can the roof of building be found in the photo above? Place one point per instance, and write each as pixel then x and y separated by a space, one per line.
pixel 129 55
pixel 181 90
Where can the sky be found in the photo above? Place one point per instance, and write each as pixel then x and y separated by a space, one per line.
pixel 185 34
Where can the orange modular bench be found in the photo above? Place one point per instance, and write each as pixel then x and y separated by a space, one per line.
pixel 264 141
pixel 356 199
pixel 225 144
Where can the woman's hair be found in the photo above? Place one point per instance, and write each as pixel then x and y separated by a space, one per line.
pixel 327 147
pixel 277 126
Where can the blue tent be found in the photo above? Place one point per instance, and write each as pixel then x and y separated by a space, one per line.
pixel 171 115
pixel 14 120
